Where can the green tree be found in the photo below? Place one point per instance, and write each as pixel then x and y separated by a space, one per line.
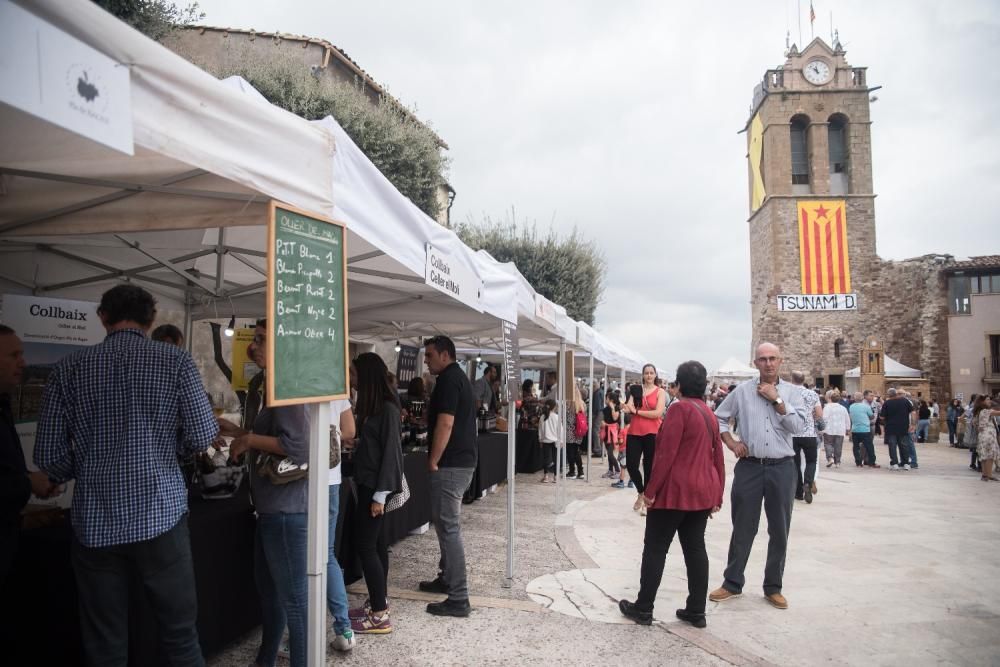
pixel 153 18
pixel 404 150
pixel 566 270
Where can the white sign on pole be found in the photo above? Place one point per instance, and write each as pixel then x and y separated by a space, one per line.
pixel 56 77
pixel 511 358
pixel 445 274
pixel 816 302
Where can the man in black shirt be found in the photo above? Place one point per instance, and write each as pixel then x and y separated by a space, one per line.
pixel 896 413
pixel 452 457
pixel 16 483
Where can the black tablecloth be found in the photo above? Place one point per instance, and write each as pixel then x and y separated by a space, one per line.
pixel 492 466
pixel 528 454
pixel 45 619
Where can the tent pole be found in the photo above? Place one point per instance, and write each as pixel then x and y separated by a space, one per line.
pixel 593 409
pixel 511 453
pixel 188 324
pixel 561 446
pixel 317 522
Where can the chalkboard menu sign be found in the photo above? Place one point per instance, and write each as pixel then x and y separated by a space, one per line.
pixel 307 308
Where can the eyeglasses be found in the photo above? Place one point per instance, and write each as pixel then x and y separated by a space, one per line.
pixel 767 360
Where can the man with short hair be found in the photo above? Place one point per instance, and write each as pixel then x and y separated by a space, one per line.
pixel 114 417
pixel 483 387
pixel 452 457
pixel 805 442
pixel 673 393
pixel 16 483
pixel 896 412
pixel 861 431
pixel 770 413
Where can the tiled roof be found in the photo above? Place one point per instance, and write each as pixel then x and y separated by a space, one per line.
pixel 981 262
pixel 338 53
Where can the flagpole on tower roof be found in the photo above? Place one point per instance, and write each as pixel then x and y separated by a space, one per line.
pixel 812 21
pixel 800 21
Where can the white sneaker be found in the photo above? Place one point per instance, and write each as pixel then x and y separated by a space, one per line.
pixel 344 642
pixel 906 466
pixel 894 467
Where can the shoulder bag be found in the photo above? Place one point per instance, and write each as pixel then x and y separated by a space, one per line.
pixel 397 500
pixel 281 469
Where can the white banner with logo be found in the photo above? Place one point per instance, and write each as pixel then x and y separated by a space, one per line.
pixel 448 275
pixel 56 77
pixel 817 302
pixel 50 330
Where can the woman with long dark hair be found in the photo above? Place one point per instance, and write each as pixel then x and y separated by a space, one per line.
pixel 953 415
pixel 378 473
pixel 684 490
pixel 646 405
pixel 609 432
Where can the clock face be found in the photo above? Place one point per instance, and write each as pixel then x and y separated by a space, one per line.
pixel 817 72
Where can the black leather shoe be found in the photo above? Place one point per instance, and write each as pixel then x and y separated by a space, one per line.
pixel 629 610
pixel 459 608
pixel 436 585
pixel 697 620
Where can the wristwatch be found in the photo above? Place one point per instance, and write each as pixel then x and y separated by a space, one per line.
pixel 777 401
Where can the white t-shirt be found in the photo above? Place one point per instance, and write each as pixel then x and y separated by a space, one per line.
pixel 337 408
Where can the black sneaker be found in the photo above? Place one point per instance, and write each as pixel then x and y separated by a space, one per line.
pixel 629 610
pixel 697 620
pixel 459 608
pixel 807 492
pixel 436 585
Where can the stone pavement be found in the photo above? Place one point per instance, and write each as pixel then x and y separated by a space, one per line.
pixel 883 568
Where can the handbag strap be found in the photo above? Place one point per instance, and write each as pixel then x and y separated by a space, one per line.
pixel 708 424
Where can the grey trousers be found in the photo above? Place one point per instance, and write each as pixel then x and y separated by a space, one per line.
pixel 754 483
pixel 448 485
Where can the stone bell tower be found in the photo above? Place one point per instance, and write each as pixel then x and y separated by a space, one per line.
pixel 812 211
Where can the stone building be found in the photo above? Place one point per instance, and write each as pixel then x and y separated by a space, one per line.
pixel 818 288
pixel 208 46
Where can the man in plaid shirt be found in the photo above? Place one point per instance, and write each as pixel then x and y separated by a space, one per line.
pixel 114 418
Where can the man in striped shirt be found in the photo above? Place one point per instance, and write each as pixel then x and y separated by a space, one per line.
pixel 770 414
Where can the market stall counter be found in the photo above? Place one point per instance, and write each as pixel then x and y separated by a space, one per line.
pixel 492 465
pixel 528 452
pixel 45 620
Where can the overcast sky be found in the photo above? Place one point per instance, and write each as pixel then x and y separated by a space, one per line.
pixel 621 118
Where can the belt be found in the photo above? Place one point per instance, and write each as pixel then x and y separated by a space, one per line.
pixel 768 461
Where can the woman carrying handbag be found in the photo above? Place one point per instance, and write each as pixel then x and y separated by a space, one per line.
pixel 378 475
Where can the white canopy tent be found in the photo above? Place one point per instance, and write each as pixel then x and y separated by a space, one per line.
pixel 184 216
pixel 893 369
pixel 733 371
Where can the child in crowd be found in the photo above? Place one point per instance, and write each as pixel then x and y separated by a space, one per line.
pixel 549 431
pixel 609 433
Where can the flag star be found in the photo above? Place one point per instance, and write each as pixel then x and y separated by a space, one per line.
pixel 821 212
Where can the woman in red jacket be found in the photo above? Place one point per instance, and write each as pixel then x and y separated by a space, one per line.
pixel 683 491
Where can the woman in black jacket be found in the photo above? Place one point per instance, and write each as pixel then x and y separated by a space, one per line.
pixel 378 474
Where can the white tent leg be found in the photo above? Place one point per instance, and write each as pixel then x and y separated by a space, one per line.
pixel 188 324
pixel 511 452
pixel 316 548
pixel 561 447
pixel 593 411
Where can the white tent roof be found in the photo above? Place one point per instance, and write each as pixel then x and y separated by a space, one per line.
pixel 732 368
pixel 893 369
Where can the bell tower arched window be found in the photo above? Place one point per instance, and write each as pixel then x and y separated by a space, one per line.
pixel 837 139
pixel 800 155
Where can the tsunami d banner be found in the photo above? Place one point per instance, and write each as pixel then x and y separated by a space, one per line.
pixel 823 258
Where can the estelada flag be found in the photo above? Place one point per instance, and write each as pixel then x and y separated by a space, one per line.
pixel 823 258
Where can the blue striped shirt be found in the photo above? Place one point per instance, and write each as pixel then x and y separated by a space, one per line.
pixel 114 417
pixel 766 433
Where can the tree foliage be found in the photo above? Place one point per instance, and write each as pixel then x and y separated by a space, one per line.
pixel 153 18
pixel 403 149
pixel 566 270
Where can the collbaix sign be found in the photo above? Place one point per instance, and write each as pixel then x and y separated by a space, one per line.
pixel 445 274
pixel 61 321
pixel 811 303
pixel 48 74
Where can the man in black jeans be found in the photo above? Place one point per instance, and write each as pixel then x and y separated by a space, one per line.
pixel 110 419
pixel 806 443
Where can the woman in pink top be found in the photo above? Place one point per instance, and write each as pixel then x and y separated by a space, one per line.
pixel 647 415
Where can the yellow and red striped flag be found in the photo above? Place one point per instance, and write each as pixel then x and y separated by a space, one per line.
pixel 823 257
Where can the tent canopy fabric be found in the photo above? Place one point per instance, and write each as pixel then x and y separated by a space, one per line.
pixel 734 369
pixel 893 369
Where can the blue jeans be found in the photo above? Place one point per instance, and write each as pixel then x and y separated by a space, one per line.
pixel 923 426
pixel 907 452
pixel 336 593
pixel 280 572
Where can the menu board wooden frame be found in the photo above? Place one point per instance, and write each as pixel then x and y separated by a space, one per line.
pixel 272 372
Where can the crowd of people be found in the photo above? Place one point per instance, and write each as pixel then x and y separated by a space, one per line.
pixel 118 418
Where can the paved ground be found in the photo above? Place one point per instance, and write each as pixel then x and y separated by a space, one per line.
pixel 883 568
